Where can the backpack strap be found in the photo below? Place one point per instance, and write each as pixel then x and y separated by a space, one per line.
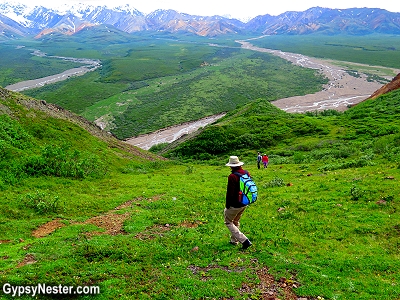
pixel 240 175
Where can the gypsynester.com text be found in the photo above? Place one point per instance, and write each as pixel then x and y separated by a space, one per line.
pixel 43 289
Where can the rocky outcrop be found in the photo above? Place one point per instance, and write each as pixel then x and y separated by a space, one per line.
pixel 391 86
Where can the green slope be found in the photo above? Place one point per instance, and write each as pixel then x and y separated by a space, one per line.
pixel 260 126
pixel 325 225
pixel 39 139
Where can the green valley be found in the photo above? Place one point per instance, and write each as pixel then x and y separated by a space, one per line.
pixel 80 207
pixel 139 93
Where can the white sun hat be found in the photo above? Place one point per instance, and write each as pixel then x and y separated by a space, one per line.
pixel 234 162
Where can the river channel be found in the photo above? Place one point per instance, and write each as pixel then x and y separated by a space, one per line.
pixel 342 91
pixel 88 66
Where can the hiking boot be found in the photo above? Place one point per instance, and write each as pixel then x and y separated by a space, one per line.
pixel 233 243
pixel 246 244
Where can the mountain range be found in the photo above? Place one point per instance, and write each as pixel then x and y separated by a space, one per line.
pixel 19 20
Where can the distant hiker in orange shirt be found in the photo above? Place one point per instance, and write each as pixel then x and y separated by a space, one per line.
pixel 265 160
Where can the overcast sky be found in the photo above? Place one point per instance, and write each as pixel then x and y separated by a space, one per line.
pixel 241 9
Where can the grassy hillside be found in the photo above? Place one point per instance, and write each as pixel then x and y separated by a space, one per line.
pixel 260 126
pixel 40 139
pixel 325 225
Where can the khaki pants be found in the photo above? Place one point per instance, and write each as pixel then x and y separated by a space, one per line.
pixel 232 216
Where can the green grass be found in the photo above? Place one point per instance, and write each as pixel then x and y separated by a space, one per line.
pixel 18 64
pixel 326 218
pixel 137 92
pixel 374 50
pixel 261 126
pixel 78 93
pixel 134 85
pixel 335 246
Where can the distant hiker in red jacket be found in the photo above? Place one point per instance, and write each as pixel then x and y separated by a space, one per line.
pixel 265 160
pixel 233 208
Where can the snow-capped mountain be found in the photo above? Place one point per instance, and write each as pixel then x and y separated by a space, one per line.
pixel 22 20
pixel 39 18
pixel 11 29
pixel 69 19
pixel 173 21
pixel 16 12
pixel 124 18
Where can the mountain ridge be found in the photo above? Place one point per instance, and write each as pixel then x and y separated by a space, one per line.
pixel 39 21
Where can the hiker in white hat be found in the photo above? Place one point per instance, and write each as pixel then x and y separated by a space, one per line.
pixel 233 207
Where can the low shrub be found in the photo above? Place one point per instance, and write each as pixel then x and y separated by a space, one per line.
pixel 56 161
pixel 59 161
pixel 41 202
pixel 159 147
pixel 276 182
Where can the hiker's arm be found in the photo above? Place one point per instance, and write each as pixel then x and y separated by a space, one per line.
pixel 231 191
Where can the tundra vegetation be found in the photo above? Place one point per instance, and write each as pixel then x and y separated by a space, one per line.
pixel 79 210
